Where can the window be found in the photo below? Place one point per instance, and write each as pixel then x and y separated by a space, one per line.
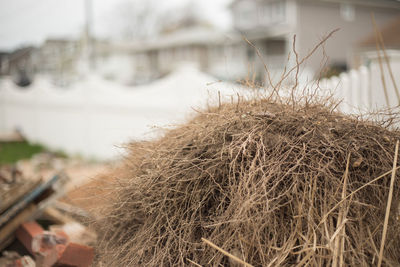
pixel 347 12
pixel 272 12
pixel 278 11
pixel 246 12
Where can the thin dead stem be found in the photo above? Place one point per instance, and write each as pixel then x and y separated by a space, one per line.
pixel 388 205
pixel 226 253
pixel 324 39
pixel 297 70
pixel 378 48
pixel 192 262
pixel 263 62
pixel 378 36
pixel 339 241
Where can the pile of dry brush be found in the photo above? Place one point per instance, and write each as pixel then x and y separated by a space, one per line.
pixel 269 183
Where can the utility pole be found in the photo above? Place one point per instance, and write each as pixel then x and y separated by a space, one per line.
pixel 89 40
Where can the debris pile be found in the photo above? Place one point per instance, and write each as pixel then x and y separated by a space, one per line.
pixel 26 201
pixel 265 182
pixel 51 248
pixel 22 199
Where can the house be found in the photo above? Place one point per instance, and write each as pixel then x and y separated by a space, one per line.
pixel 58 56
pixel 391 38
pixel 268 24
pixel 145 61
pixel 114 61
pixel 20 65
pixel 271 24
pixel 3 63
pixel 196 44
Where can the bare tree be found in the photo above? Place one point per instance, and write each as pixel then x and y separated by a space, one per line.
pixel 187 15
pixel 141 19
pixel 137 19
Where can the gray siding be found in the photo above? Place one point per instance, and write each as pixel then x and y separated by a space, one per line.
pixel 315 20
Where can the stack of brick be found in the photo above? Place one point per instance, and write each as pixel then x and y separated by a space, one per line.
pixel 53 248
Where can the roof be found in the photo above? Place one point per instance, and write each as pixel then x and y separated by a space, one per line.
pixel 390 34
pixel 184 37
pixel 192 36
pixel 20 53
pixel 372 3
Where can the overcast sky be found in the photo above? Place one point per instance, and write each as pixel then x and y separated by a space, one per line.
pixel 24 22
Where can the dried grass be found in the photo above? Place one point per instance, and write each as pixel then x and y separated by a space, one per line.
pixel 264 181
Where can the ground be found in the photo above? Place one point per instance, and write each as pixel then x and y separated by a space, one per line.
pixel 35 161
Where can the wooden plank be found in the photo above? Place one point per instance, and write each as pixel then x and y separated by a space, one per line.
pixel 7 242
pixel 16 193
pixel 56 216
pixel 9 228
pixel 28 198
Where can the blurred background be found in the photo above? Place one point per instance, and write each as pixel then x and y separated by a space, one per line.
pixel 86 76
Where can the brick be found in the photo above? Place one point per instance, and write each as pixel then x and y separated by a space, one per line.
pixel 48 248
pixel 26 232
pixel 50 256
pixel 76 255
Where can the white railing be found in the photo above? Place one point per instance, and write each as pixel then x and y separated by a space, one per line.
pixel 362 90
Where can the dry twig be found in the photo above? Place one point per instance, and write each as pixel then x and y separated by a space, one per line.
pixel 388 205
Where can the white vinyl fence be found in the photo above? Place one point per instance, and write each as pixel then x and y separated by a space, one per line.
pixel 362 90
pixel 95 117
